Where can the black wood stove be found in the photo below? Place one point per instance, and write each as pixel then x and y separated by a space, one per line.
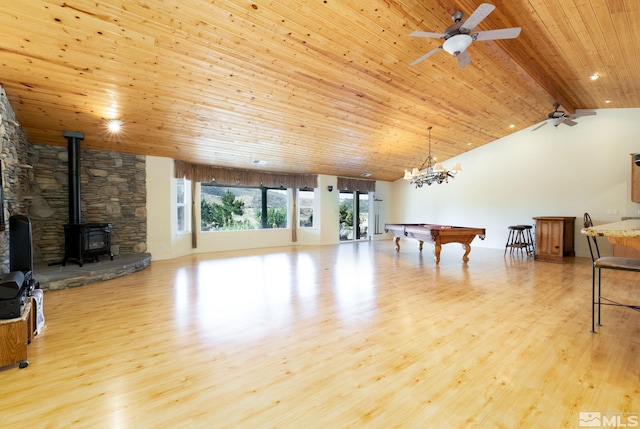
pixel 85 241
pixel 82 241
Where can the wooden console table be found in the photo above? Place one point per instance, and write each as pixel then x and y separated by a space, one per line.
pixel 554 238
pixel 15 335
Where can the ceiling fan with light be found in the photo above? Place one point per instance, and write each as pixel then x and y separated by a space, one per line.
pixel 458 37
pixel 558 117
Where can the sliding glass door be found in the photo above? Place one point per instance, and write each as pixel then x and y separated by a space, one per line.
pixel 354 216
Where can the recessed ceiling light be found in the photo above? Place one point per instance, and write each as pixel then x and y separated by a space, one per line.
pixel 594 76
pixel 607 101
pixel 512 126
pixel 258 162
pixel 114 125
pixel 366 175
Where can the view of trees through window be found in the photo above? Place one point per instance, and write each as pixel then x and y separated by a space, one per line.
pixel 305 204
pixel 182 187
pixel 354 208
pixel 236 208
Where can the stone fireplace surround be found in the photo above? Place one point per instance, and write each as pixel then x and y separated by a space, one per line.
pixel 35 183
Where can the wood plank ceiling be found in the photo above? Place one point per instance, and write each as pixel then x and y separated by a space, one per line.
pixel 307 86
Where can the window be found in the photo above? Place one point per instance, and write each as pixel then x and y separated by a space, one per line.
pixel 183 187
pixel 224 208
pixel 305 208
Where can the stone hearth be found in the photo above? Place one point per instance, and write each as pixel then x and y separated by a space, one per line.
pixel 57 277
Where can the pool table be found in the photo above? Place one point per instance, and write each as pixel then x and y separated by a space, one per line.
pixel 437 235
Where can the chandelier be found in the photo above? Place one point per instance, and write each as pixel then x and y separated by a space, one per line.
pixel 433 173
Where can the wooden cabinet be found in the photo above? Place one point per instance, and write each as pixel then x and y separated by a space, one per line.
pixel 554 238
pixel 635 180
pixel 15 335
pixel 622 251
pixel 625 251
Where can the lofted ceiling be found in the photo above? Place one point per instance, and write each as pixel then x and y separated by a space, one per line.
pixel 307 86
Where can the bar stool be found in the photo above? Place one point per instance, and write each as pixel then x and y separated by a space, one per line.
pixel 516 239
pixel 528 237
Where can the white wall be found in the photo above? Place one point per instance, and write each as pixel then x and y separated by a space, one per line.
pixel 164 242
pixel 564 171
pixel 384 194
pixel 163 239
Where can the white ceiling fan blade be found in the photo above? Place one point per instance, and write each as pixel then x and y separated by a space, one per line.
pixel 463 58
pixel 425 56
pixel 476 17
pixel 569 122
pixel 540 126
pixel 504 33
pixel 427 34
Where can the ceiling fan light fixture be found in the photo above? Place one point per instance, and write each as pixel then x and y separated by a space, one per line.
pixel 555 121
pixel 456 44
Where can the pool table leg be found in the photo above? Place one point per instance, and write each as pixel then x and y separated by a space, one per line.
pixel 436 250
pixel 465 257
pixel 420 246
pixel 397 241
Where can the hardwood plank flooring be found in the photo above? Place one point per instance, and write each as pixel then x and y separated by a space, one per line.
pixel 345 336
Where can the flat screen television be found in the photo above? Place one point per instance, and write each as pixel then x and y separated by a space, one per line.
pixel 20 245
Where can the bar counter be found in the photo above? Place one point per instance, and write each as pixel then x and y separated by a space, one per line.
pixel 624 232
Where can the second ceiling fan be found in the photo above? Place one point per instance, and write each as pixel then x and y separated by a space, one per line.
pixel 558 117
pixel 458 37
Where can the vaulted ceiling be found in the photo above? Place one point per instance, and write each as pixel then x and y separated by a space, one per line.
pixel 307 86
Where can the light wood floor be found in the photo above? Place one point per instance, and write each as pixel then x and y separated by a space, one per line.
pixel 346 336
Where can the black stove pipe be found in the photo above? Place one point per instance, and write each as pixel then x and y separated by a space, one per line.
pixel 73 150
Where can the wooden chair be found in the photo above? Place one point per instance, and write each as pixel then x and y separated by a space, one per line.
pixel 599 263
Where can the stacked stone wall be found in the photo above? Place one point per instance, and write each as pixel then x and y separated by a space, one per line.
pixel 35 183
pixel 15 173
pixel 112 190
